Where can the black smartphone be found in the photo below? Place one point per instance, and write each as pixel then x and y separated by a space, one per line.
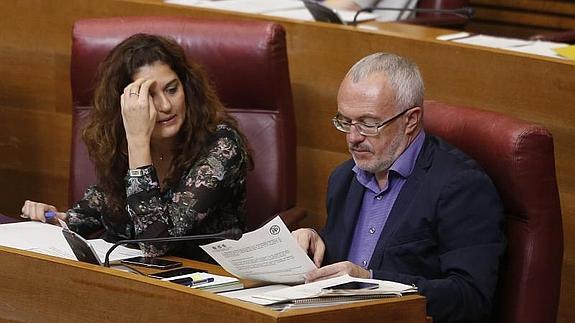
pixel 152 262
pixel 353 285
pixel 176 272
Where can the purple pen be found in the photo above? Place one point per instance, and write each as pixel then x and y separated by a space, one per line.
pixel 49 215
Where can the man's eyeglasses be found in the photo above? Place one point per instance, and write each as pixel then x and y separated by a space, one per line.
pixel 365 129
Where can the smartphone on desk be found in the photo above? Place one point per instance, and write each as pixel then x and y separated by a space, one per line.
pixel 151 262
pixel 353 285
pixel 176 272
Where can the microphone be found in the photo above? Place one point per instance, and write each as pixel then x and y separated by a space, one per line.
pixel 234 234
pixel 465 12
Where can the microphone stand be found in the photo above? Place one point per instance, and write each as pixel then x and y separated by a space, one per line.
pixel 465 12
pixel 234 234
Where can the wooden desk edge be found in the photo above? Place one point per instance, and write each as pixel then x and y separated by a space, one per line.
pixel 54 278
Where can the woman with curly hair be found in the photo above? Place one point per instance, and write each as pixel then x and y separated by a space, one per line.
pixel 169 160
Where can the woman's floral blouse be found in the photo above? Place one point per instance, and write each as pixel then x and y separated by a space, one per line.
pixel 209 198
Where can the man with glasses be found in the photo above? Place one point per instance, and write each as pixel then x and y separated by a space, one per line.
pixel 407 207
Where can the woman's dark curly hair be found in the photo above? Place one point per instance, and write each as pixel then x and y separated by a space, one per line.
pixel 105 136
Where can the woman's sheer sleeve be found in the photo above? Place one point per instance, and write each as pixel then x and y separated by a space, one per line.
pixel 85 216
pixel 206 187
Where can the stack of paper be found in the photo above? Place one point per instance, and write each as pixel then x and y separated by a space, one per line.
pixel 48 239
pixel 280 297
pixel 536 47
pixel 247 6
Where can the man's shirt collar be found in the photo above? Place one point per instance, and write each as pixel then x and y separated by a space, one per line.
pixel 403 165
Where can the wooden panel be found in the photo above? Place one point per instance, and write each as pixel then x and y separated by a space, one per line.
pixel 35 48
pixel 557 7
pixel 521 18
pixel 314 166
pixel 70 291
pixel 35 150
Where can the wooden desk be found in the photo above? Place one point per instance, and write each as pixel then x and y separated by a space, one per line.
pixel 38 288
pixel 35 97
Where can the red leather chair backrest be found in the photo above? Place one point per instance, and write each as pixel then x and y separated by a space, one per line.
pixel 442 4
pixel 247 62
pixel 519 158
pixel 447 20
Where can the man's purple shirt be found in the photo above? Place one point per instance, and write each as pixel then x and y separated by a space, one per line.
pixel 377 202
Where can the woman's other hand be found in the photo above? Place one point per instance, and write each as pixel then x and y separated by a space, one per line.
pixel 37 211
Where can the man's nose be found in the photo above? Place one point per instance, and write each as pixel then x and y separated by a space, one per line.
pixel 354 136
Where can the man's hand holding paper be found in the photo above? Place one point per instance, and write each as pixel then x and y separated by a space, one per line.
pixel 269 253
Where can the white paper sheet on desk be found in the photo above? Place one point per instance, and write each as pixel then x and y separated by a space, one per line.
pixel 492 41
pixel 316 289
pixel 269 253
pixel 543 48
pixel 298 14
pixel 248 293
pixel 185 2
pixel 48 239
pixel 193 3
pixel 536 47
pixel 304 14
pixel 246 6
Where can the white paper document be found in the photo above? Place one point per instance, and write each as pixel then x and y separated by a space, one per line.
pixel 247 6
pixel 316 290
pixel 48 239
pixel 269 253
pixel 304 14
pixel 536 47
pixel 102 246
pixel 543 48
pixel 248 293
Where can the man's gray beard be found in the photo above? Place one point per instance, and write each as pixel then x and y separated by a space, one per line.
pixel 383 165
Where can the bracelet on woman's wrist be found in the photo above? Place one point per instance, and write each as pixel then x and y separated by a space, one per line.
pixel 140 171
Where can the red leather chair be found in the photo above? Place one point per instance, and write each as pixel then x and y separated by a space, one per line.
pixel 518 156
pixel 563 36
pixel 446 20
pixel 247 63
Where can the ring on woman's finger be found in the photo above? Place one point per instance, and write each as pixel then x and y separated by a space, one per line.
pixel 134 93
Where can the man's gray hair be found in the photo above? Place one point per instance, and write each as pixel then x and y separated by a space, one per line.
pixel 403 76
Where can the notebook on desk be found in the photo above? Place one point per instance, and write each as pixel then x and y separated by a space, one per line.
pixel 49 240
